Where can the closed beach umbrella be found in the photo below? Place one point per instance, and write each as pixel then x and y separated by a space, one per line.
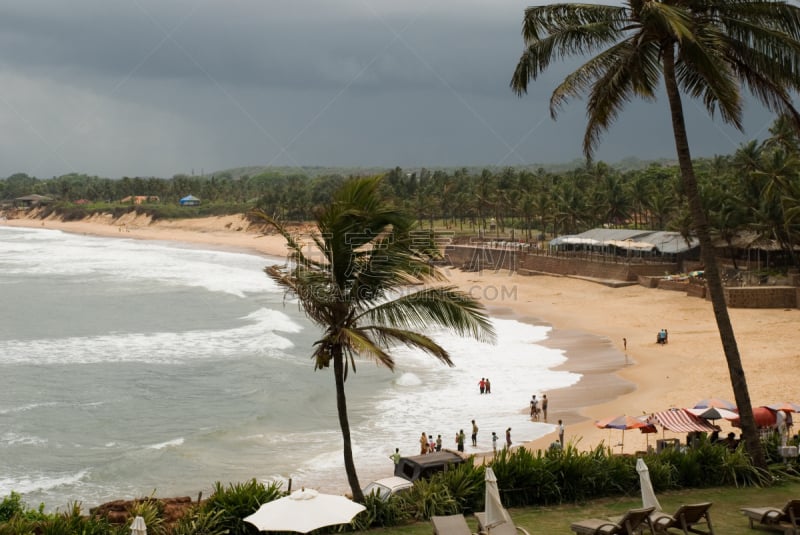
pixel 138 526
pixel 648 494
pixel 303 511
pixel 718 403
pixel 496 514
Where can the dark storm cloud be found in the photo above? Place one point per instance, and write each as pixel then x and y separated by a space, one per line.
pixel 163 86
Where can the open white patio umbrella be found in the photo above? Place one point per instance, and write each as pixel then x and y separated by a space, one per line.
pixel 138 526
pixel 303 511
pixel 496 514
pixel 648 494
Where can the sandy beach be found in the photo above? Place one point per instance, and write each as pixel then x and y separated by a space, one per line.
pixel 643 378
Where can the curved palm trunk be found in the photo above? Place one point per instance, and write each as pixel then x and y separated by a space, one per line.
pixel 344 423
pixel 712 275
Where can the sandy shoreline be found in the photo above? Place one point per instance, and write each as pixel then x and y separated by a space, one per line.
pixel 645 378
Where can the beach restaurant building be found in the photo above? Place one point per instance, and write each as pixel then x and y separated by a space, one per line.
pixel 629 243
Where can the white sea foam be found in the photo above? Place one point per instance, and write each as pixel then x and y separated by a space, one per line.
pixel 39 482
pixel 258 335
pixel 167 444
pixel 10 438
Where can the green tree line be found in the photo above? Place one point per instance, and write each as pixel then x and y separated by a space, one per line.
pixel 755 189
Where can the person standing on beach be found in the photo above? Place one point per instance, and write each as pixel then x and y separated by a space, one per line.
pixel 395 456
pixel 625 344
pixel 474 434
pixel 544 407
pixel 460 436
pixel 508 438
pixel 561 433
pixel 494 442
pixel 439 443
pixel 488 386
pixel 534 408
pixel 482 385
pixel 423 444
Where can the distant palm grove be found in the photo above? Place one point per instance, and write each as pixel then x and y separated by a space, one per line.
pixel 756 189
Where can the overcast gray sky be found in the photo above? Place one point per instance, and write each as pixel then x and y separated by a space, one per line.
pixel 159 87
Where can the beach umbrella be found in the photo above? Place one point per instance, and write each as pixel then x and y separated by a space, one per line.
pixel 496 514
pixel 648 494
pixel 718 403
pixel 138 526
pixel 303 511
pixel 763 416
pixel 622 422
pixel 714 413
pixel 785 406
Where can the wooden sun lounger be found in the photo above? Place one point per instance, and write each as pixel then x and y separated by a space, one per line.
pixel 450 525
pixel 631 523
pixel 506 528
pixel 686 519
pixel 786 520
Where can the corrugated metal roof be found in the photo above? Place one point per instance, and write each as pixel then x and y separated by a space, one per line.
pixel 640 240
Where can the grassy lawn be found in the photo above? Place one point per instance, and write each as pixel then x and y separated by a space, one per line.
pixel 725 515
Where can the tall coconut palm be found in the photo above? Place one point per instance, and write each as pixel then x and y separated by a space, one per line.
pixel 705 49
pixel 358 282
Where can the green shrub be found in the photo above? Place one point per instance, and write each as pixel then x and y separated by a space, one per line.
pixel 390 512
pixel 465 483
pixel 152 511
pixel 238 501
pixel 428 498
pixel 11 506
pixel 201 522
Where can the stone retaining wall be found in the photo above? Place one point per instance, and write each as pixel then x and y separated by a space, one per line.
pixel 648 275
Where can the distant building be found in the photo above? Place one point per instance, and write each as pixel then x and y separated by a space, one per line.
pixel 190 200
pixel 139 199
pixel 29 201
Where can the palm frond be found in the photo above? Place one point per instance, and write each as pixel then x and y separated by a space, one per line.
pixel 443 306
pixel 392 336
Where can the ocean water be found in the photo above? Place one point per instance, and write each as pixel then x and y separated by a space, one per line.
pixel 130 368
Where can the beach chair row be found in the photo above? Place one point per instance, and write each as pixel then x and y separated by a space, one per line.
pixel 688 519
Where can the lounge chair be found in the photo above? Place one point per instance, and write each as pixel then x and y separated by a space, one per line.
pixel 786 520
pixel 686 518
pixel 450 525
pixel 506 528
pixel 632 523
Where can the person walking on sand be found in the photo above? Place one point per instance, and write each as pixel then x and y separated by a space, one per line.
pixel 534 408
pixel 395 456
pixel 460 436
pixel 508 438
pixel 423 444
pixel 544 407
pixel 561 433
pixel 474 434
pixel 494 442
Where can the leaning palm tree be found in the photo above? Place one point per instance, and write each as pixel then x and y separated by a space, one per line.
pixel 360 282
pixel 705 49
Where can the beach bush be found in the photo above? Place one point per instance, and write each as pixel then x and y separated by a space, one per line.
pixel 465 483
pixel 392 511
pixel 198 521
pixel 152 511
pixel 428 498
pixel 239 500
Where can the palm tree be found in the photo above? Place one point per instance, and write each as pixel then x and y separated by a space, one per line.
pixel 707 49
pixel 355 284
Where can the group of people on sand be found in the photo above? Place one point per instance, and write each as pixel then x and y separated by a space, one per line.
pixel 662 337
pixel 428 445
pixel 539 410
pixel 485 386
